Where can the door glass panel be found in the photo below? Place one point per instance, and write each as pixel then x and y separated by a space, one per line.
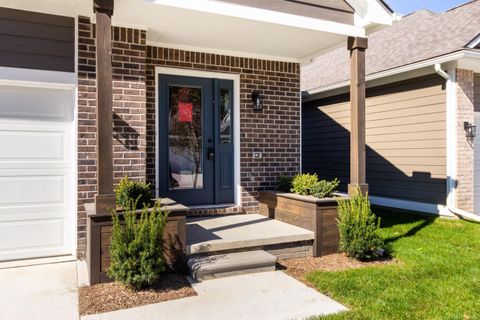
pixel 185 138
pixel 225 116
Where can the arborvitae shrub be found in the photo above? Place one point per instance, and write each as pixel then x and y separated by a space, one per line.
pixel 137 257
pixel 359 228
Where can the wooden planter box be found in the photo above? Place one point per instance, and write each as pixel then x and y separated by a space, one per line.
pixel 317 215
pixel 99 235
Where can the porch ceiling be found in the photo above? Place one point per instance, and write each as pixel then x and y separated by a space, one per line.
pixel 231 29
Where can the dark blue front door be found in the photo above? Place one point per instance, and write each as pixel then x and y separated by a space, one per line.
pixel 195 139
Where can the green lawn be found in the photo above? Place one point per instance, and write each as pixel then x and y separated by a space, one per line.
pixel 437 274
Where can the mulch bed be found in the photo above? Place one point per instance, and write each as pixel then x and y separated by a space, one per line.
pixel 299 268
pixel 113 296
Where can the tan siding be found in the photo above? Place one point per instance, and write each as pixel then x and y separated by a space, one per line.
pixel 406 139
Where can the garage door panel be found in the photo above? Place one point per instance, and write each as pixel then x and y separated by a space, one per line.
pixel 32 238
pixel 32 190
pixel 36 103
pixel 24 145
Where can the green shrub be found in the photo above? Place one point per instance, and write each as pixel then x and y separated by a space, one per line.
pixel 127 189
pixel 358 226
pixel 324 188
pixel 308 185
pixel 284 183
pixel 137 246
pixel 302 183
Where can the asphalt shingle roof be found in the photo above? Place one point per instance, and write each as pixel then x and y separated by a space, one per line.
pixel 419 36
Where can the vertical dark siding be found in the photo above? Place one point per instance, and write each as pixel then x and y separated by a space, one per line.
pixel 36 40
pixel 406 139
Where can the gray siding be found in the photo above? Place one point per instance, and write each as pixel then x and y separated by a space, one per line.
pixel 406 139
pixel 36 41
pixel 332 10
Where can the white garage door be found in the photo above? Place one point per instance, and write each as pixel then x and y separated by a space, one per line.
pixel 36 171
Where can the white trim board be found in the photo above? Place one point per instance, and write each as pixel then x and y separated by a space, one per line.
pixel 236 120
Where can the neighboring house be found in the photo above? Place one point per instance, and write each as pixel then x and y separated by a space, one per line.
pixel 183 75
pixel 418 155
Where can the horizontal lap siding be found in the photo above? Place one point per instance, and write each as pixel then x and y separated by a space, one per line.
pixel 36 40
pixel 405 135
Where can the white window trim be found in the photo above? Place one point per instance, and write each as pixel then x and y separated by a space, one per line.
pixel 236 122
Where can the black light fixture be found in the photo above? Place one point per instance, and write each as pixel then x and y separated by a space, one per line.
pixel 470 130
pixel 257 101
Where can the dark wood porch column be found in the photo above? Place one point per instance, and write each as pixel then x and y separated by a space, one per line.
pixel 357 48
pixel 105 197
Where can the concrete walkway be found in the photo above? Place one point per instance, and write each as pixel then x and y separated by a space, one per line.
pixel 41 292
pixel 263 296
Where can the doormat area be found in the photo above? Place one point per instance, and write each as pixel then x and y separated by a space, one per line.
pixel 107 297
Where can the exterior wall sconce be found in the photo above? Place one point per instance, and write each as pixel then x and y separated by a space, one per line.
pixel 257 101
pixel 470 130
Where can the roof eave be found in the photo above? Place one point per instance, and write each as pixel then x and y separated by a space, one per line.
pixel 453 56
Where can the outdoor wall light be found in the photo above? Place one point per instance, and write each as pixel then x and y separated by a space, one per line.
pixel 470 130
pixel 257 101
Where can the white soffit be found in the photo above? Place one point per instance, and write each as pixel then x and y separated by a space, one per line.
pixel 206 25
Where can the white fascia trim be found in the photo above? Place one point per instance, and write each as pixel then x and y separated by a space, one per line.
pixel 20 77
pixel 371 12
pixel 236 120
pixel 431 208
pixel 262 15
pixel 475 42
pixel 220 52
pixel 387 73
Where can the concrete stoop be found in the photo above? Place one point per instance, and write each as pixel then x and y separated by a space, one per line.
pixel 231 264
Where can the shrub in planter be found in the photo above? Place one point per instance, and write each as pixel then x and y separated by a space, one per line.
pixel 324 188
pixel 140 192
pixel 136 249
pixel 284 183
pixel 308 185
pixel 358 227
pixel 302 183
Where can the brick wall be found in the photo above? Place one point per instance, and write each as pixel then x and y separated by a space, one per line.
pixel 129 112
pixel 465 150
pixel 275 132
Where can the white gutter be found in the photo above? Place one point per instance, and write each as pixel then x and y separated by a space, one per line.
pixel 452 144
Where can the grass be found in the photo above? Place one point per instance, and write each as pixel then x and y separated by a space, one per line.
pixel 437 275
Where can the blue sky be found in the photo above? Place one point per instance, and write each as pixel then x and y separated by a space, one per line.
pixel 408 6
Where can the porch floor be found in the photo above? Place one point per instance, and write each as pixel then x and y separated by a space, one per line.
pixel 244 231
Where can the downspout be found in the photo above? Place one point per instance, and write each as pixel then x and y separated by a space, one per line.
pixel 452 174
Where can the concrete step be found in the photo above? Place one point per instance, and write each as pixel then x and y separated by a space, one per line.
pixel 231 264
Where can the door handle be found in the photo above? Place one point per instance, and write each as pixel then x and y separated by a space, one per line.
pixel 210 154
